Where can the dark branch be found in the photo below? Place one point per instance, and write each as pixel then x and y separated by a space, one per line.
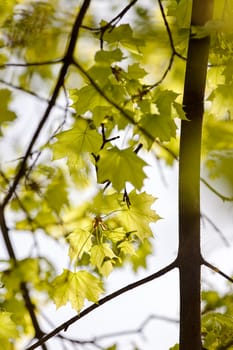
pixel 32 93
pixel 31 64
pixel 169 32
pixel 64 326
pixel 215 269
pixel 24 290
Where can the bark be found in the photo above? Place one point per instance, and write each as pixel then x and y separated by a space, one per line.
pixel 189 254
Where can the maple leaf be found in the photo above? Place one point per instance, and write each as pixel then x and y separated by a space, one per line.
pixel 120 166
pixel 81 138
pixel 80 242
pixel 75 287
pixel 139 214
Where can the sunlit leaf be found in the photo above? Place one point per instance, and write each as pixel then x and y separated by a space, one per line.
pixel 75 287
pixel 139 214
pixel 80 242
pixel 121 166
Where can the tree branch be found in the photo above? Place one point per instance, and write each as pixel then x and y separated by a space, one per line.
pixel 67 61
pixel 174 52
pixel 32 93
pixel 24 290
pixel 31 64
pixel 215 269
pixel 218 194
pixel 215 227
pixel 64 326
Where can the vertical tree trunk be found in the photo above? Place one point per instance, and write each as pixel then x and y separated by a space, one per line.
pixel 189 253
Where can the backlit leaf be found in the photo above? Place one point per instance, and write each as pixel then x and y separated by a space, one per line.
pixel 121 166
pixel 139 214
pixel 80 242
pixel 76 287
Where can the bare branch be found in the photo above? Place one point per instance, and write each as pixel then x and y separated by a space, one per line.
pixel 122 333
pixel 64 326
pixel 215 227
pixel 31 64
pixel 32 93
pixel 215 269
pixel 218 194
pixel 175 53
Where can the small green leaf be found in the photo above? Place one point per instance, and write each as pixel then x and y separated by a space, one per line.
pixel 6 115
pixel 101 255
pixel 175 347
pixel 80 243
pixel 139 259
pixel 135 71
pixel 139 214
pixel 108 57
pixel 120 166
pixel 123 34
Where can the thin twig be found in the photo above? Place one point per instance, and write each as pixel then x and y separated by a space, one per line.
pixel 64 326
pixel 216 269
pixel 215 227
pixel 218 194
pixel 32 93
pixel 31 64
pixel 169 32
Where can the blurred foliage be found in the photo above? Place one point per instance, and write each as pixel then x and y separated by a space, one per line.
pixel 123 92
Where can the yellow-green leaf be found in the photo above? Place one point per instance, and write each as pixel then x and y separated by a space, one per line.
pixel 80 242
pixel 120 166
pixel 76 287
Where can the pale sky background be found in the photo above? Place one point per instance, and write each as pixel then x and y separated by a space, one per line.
pixel 159 297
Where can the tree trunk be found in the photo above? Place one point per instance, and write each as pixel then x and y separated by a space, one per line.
pixel 189 254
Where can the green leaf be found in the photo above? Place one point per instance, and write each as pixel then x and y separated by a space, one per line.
pixel 127 248
pixel 6 115
pixel 81 138
pixel 135 71
pixel 139 214
pixel 108 57
pixel 175 347
pixel 217 330
pixel 123 34
pixel 86 99
pixel 80 243
pixel 119 167
pixel 164 100
pixel 56 193
pixel 75 287
pixel 101 255
pixel 8 328
pixel 139 259
pixel 159 126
